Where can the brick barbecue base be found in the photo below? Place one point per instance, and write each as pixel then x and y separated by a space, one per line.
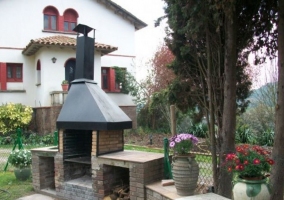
pixel 95 181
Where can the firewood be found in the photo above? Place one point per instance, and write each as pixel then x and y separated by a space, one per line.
pixel 168 182
pixel 113 196
pixel 107 197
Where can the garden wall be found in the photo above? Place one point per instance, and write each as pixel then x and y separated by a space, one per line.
pixel 44 118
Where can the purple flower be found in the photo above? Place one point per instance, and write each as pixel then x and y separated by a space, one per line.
pixel 194 139
pixel 177 140
pixel 183 142
pixel 172 144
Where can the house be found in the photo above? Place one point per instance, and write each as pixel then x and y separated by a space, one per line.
pixel 38 48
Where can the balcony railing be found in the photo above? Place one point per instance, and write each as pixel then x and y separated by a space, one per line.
pixel 58 97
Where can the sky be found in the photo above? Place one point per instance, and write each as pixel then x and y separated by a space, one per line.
pixel 149 38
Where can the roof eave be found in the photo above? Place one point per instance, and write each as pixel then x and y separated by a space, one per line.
pixel 138 24
pixel 32 48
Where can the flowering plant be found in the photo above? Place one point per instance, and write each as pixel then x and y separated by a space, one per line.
pixel 249 161
pixel 20 158
pixel 13 116
pixel 182 143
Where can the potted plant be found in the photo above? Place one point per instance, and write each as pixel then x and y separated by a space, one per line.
pixel 65 85
pixel 185 169
pixel 21 160
pixel 250 164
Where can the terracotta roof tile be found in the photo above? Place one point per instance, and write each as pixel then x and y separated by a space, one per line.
pixel 61 41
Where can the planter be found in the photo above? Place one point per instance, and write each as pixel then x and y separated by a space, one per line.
pixel 185 171
pixel 22 174
pixel 245 189
pixel 65 87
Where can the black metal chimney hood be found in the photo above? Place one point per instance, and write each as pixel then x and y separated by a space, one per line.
pixel 87 106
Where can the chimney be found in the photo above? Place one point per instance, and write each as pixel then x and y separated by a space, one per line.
pixel 84 53
pixel 87 106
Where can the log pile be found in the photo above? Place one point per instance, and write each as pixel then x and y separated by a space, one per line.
pixel 119 193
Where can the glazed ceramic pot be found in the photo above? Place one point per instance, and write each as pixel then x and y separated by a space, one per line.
pixel 247 189
pixel 22 174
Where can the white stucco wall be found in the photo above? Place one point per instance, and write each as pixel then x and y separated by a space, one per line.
pixel 24 21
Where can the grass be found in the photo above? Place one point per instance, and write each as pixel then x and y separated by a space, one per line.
pixel 199 157
pixel 205 161
pixel 11 189
pixel 142 148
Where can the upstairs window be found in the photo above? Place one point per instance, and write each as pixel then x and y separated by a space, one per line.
pixel 14 72
pixel 70 20
pixel 106 78
pixel 111 80
pixel 50 18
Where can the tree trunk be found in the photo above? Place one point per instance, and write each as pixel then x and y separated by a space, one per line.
pixel 277 174
pixel 211 120
pixel 227 139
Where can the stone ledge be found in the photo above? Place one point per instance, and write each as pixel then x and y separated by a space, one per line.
pixel 170 193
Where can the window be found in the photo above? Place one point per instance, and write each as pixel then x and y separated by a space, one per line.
pixel 14 72
pixel 38 72
pixel 109 80
pixel 70 20
pixel 50 18
pixel 105 79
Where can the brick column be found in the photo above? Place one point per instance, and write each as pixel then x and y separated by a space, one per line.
pixel 98 183
pixel 137 174
pixel 59 166
pixel 59 174
pixel 94 143
pixel 35 172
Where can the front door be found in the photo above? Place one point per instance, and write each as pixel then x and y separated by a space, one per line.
pixel 70 70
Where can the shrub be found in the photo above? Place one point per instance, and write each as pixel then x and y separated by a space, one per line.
pixel 199 130
pixel 35 139
pixel 13 116
pixel 245 135
pixel 266 138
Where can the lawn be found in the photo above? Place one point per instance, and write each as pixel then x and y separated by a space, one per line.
pixel 11 189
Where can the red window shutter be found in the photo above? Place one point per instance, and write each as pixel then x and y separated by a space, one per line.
pixel 3 79
pixel 112 79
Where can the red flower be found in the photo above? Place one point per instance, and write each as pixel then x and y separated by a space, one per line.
pixel 270 161
pixel 256 161
pixel 230 169
pixel 230 156
pixel 249 160
pixel 239 149
pixel 240 167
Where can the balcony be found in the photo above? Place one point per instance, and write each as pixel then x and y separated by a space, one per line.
pixel 58 97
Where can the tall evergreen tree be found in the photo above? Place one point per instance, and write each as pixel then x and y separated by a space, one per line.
pixel 211 41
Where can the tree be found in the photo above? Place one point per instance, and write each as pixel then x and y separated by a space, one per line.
pixel 260 117
pixel 227 137
pixel 211 41
pixel 277 178
pixel 156 109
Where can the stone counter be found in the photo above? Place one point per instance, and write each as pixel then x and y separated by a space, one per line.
pixel 43 168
